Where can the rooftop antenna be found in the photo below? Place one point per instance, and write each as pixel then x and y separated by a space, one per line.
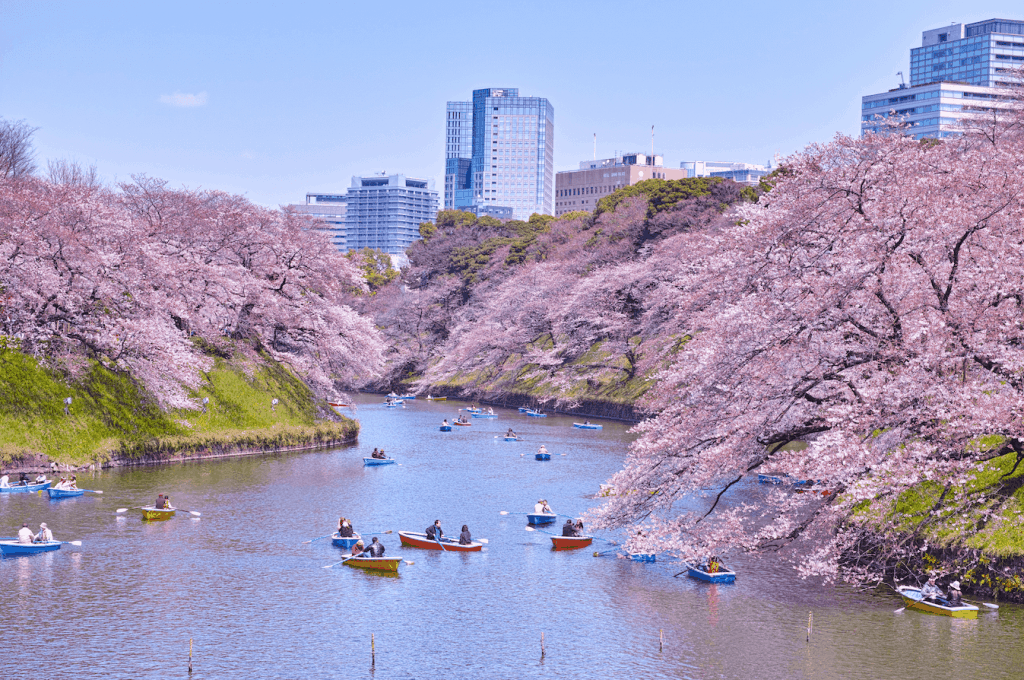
pixel 903 83
pixel 652 145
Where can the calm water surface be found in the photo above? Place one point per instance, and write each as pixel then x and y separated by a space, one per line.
pixel 255 599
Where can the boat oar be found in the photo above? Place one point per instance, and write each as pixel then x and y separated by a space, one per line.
pixel 438 539
pixel 318 538
pixel 91 491
pixel 344 560
pixel 984 604
pixel 76 543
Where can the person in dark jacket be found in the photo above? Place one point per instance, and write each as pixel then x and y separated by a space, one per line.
pixel 568 529
pixel 434 532
pixel 376 548
pixel 465 538
pixel 160 502
pixel 345 528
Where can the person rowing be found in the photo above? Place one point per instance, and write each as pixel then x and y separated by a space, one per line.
pixel 376 548
pixel 543 450
pixel 23 479
pixel 44 535
pixel 568 529
pixel 542 508
pixel 434 532
pixel 444 422
pixel 490 411
pixel 25 534
pixel 511 433
pixel 345 528
pixel 930 591
pixel 379 455
pixel 465 538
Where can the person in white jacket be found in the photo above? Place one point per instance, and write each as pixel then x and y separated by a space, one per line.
pixel 44 535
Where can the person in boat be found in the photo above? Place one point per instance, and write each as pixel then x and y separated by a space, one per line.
pixel 490 411
pixel 167 503
pixel 568 529
pixel 160 502
pixel 465 538
pixel 463 419
pixel 41 478
pixel 434 532
pixel 60 485
pixel 44 534
pixel 358 548
pixel 345 528
pixel 375 454
pixel 23 479
pixel 547 508
pixel 511 433
pixel 445 422
pixel 376 548
pixel 586 422
pixel 73 483
pixel 578 528
pixel 714 565
pixel 5 482
pixel 25 534
pixel 930 591
pixel 543 450
pixel 954 595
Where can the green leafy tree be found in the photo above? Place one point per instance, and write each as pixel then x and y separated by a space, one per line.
pixel 662 194
pixel 376 267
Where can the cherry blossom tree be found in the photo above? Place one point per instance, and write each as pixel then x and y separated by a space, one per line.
pixel 870 305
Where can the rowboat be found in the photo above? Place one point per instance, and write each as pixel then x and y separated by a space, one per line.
pixel 151 512
pixel 401 396
pixel 536 414
pixel 460 424
pixel 64 493
pixel 378 461
pixel 430 398
pixel 513 439
pixel 542 456
pixel 587 426
pixel 375 563
pixel 344 542
pixel 541 517
pixel 26 488
pixel 472 409
pixel 485 415
pixel 418 540
pixel 723 575
pixel 912 599
pixel 571 542
pixel 16 548
pixel 394 404
pixel 446 428
pixel 642 557
pixel 772 477
pixel 335 405
pixel 523 409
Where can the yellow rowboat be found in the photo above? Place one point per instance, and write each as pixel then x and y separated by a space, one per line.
pixel 153 513
pixel 912 599
pixel 375 563
pixel 429 398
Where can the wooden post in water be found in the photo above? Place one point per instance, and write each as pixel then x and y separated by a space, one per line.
pixel 373 652
pixel 661 639
pixel 190 656
pixel 542 645
pixel 810 624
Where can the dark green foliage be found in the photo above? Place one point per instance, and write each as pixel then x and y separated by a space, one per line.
pixel 376 266
pixel 661 194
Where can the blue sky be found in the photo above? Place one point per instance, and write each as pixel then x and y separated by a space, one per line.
pixel 272 100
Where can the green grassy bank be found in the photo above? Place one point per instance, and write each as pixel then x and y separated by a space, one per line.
pixel 111 417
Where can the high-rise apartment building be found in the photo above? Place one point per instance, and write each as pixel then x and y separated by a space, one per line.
pixel 385 211
pixel 499 157
pixel 582 189
pixel 744 173
pixel 956 72
pixel 329 212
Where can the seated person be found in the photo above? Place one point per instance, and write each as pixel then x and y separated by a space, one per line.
pixel 954 595
pixel 568 529
pixel 357 549
pixel 345 528
pixel 376 548
pixel 932 592
pixel 23 478
pixel 434 532
pixel 160 504
pixel 579 527
pixel 510 433
pixel 5 482
pixel 547 508
pixel 714 565
pixel 381 455
pixel 465 538
pixel 41 478
pixel 445 422
pixel 375 454
pixel 44 534
pixel 73 483
pixel 25 534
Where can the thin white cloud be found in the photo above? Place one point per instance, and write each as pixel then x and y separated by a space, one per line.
pixel 184 99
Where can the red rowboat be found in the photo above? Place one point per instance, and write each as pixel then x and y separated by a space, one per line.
pixel 418 540
pixel 461 424
pixel 375 563
pixel 571 542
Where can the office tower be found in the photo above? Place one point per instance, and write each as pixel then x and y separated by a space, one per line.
pixel 329 212
pixel 956 72
pixel 582 189
pixel 499 159
pixel 385 211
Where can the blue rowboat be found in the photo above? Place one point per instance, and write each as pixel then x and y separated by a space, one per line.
pixel 542 456
pixel 346 542
pixel 64 493
pixel 642 557
pixel 772 477
pixel 536 414
pixel 15 548
pixel 446 428
pixel 587 426
pixel 485 415
pixel 378 461
pixel 408 396
pixel 26 488
pixel 541 518
pixel 471 409
pixel 523 409
pixel 723 575
pixel 393 404
pixel 513 439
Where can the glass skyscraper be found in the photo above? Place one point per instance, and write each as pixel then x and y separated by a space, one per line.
pixel 499 157
pixel 957 72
